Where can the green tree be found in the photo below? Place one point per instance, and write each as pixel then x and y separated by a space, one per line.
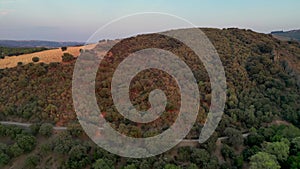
pixel 3 147
pixel 295 145
pixel 238 161
pixel 235 137
pixel 263 160
pixel 145 164
pixel 35 59
pixel 294 161
pixel 227 152
pixel 4 159
pixel 101 164
pixel 279 149
pixel 249 152
pixel 62 142
pixel 200 157
pixel 75 129
pixel 192 166
pixel 35 128
pixel 67 57
pixel 131 166
pixel 15 151
pixel 171 166
pixel 26 142
pixel 46 129
pixel 184 154
pixel 32 161
pixel 78 157
pixel 254 139
pixel 64 48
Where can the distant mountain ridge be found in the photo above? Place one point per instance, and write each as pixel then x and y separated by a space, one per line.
pixel 37 43
pixel 293 35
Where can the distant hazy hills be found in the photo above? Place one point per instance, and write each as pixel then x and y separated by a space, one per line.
pixel 37 43
pixel 289 35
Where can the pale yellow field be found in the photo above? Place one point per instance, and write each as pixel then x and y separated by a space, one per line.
pixel 47 56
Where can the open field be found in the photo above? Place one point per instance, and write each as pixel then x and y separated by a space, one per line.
pixel 53 55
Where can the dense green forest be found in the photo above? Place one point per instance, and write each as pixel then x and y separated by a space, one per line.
pixel 262 102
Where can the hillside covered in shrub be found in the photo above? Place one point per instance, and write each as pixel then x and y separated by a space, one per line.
pixel 263 88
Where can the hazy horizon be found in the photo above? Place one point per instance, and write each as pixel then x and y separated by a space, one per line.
pixel 54 21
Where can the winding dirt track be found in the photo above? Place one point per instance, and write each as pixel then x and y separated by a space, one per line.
pixel 184 141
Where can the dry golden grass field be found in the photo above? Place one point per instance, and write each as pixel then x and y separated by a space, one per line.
pixel 47 56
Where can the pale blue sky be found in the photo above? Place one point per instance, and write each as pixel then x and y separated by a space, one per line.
pixel 77 20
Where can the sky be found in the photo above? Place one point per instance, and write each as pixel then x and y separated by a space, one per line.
pixel 77 20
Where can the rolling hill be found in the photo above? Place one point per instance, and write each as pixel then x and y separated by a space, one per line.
pixel 293 35
pixel 263 87
pixel 37 43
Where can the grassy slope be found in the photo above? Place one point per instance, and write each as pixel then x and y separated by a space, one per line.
pixel 47 56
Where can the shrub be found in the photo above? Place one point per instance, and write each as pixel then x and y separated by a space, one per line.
pixel 4 159
pixel 67 57
pixel 53 64
pixel 64 48
pixel 26 142
pixel 46 129
pixel 15 150
pixel 101 164
pixel 35 59
pixel 31 161
pixel 75 129
pixel 20 63
pixel 35 128
pixel 263 160
pixel 264 48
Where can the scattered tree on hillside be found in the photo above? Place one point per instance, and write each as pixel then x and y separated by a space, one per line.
pixel 67 57
pixel 35 59
pixel 64 48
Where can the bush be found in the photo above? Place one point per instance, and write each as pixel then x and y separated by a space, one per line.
pixel 35 128
pixel 101 164
pixel 235 137
pixel 64 48
pixel 20 63
pixel 31 161
pixel 46 129
pixel 26 142
pixel 264 48
pixel 78 157
pixel 35 59
pixel 53 64
pixel 4 159
pixel 15 150
pixel 75 129
pixel 67 57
